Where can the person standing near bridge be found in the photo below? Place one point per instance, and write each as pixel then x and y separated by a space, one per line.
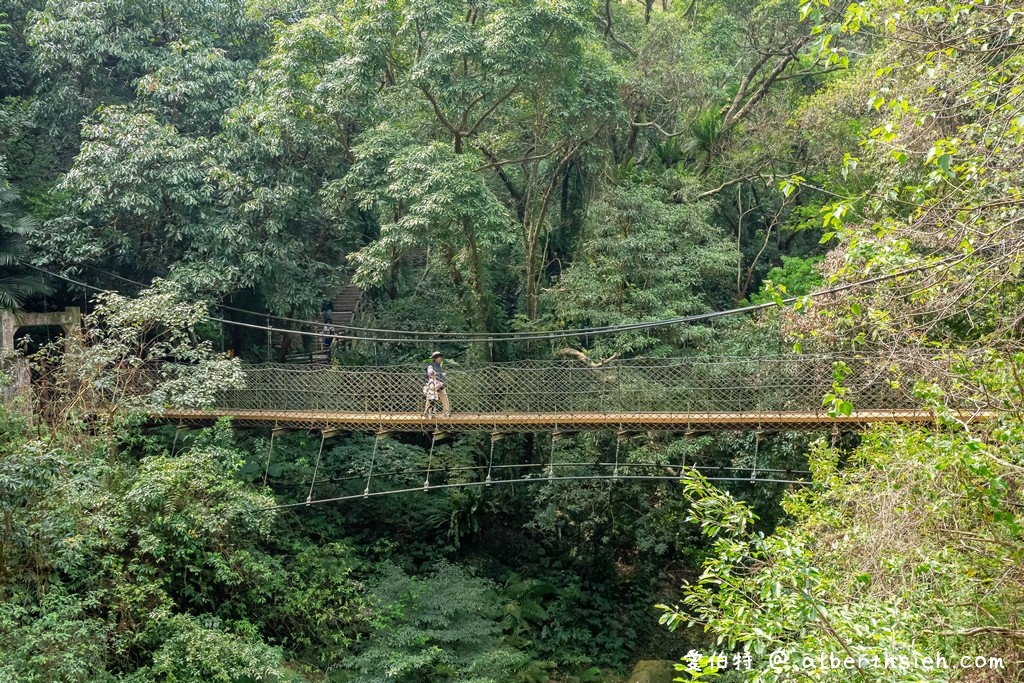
pixel 436 360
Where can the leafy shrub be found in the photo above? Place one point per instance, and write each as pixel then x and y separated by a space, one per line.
pixel 444 627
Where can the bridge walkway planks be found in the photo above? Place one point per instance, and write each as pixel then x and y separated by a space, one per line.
pixel 542 422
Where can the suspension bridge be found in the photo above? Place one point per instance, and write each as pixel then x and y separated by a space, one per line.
pixel 687 395
pixel 670 394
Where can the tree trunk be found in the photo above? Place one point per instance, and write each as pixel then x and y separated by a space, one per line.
pixel 531 276
pixel 477 279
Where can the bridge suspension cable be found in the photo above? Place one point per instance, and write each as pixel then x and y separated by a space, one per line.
pixel 535 465
pixel 535 480
pixel 419 337
pixel 547 470
pixel 416 336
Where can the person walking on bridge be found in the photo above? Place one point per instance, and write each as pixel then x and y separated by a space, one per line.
pixel 436 360
pixel 430 391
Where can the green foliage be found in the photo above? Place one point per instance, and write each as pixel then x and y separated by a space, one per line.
pixel 583 630
pixel 799 276
pixel 196 85
pixel 523 605
pixel 16 284
pixel 112 373
pixel 492 165
pixel 131 171
pixel 921 166
pixel 118 550
pixel 705 134
pixel 164 503
pixel 86 54
pixel 282 151
pixel 27 157
pixel 442 627
pixel 193 652
pixel 56 640
pixel 876 561
pixel 445 202
pixel 315 602
pixel 644 259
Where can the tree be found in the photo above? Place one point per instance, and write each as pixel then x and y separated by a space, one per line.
pixel 710 98
pixel 884 558
pixel 643 258
pixel 136 191
pixel 195 177
pixel 16 284
pixel 139 357
pixel 500 101
pixel 89 54
pixel 441 628
pixel 118 568
pixel 942 182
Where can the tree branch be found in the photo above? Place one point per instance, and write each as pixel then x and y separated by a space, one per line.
pixel 611 34
pixel 727 184
pixel 537 157
pixel 490 111
pixel 580 356
pixel 469 108
pixel 988 630
pixel 741 92
pixel 440 115
pixel 652 124
pixel 517 196
pixel 765 86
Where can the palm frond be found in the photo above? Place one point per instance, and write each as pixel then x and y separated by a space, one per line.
pixel 15 288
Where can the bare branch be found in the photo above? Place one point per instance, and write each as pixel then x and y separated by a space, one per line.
pixel 734 114
pixel 611 34
pixel 729 183
pixel 580 356
pixel 652 124
pixel 988 630
pixel 741 92
pixel 536 157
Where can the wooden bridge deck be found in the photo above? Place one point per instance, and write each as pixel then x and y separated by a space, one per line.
pixel 539 422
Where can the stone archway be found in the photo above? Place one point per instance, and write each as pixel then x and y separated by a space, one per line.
pixel 69 320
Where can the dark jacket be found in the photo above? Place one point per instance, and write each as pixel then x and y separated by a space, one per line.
pixel 439 373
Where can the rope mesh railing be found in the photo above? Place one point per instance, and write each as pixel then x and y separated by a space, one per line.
pixel 698 393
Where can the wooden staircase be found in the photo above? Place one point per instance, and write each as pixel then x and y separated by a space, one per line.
pixel 343 311
pixel 344 306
